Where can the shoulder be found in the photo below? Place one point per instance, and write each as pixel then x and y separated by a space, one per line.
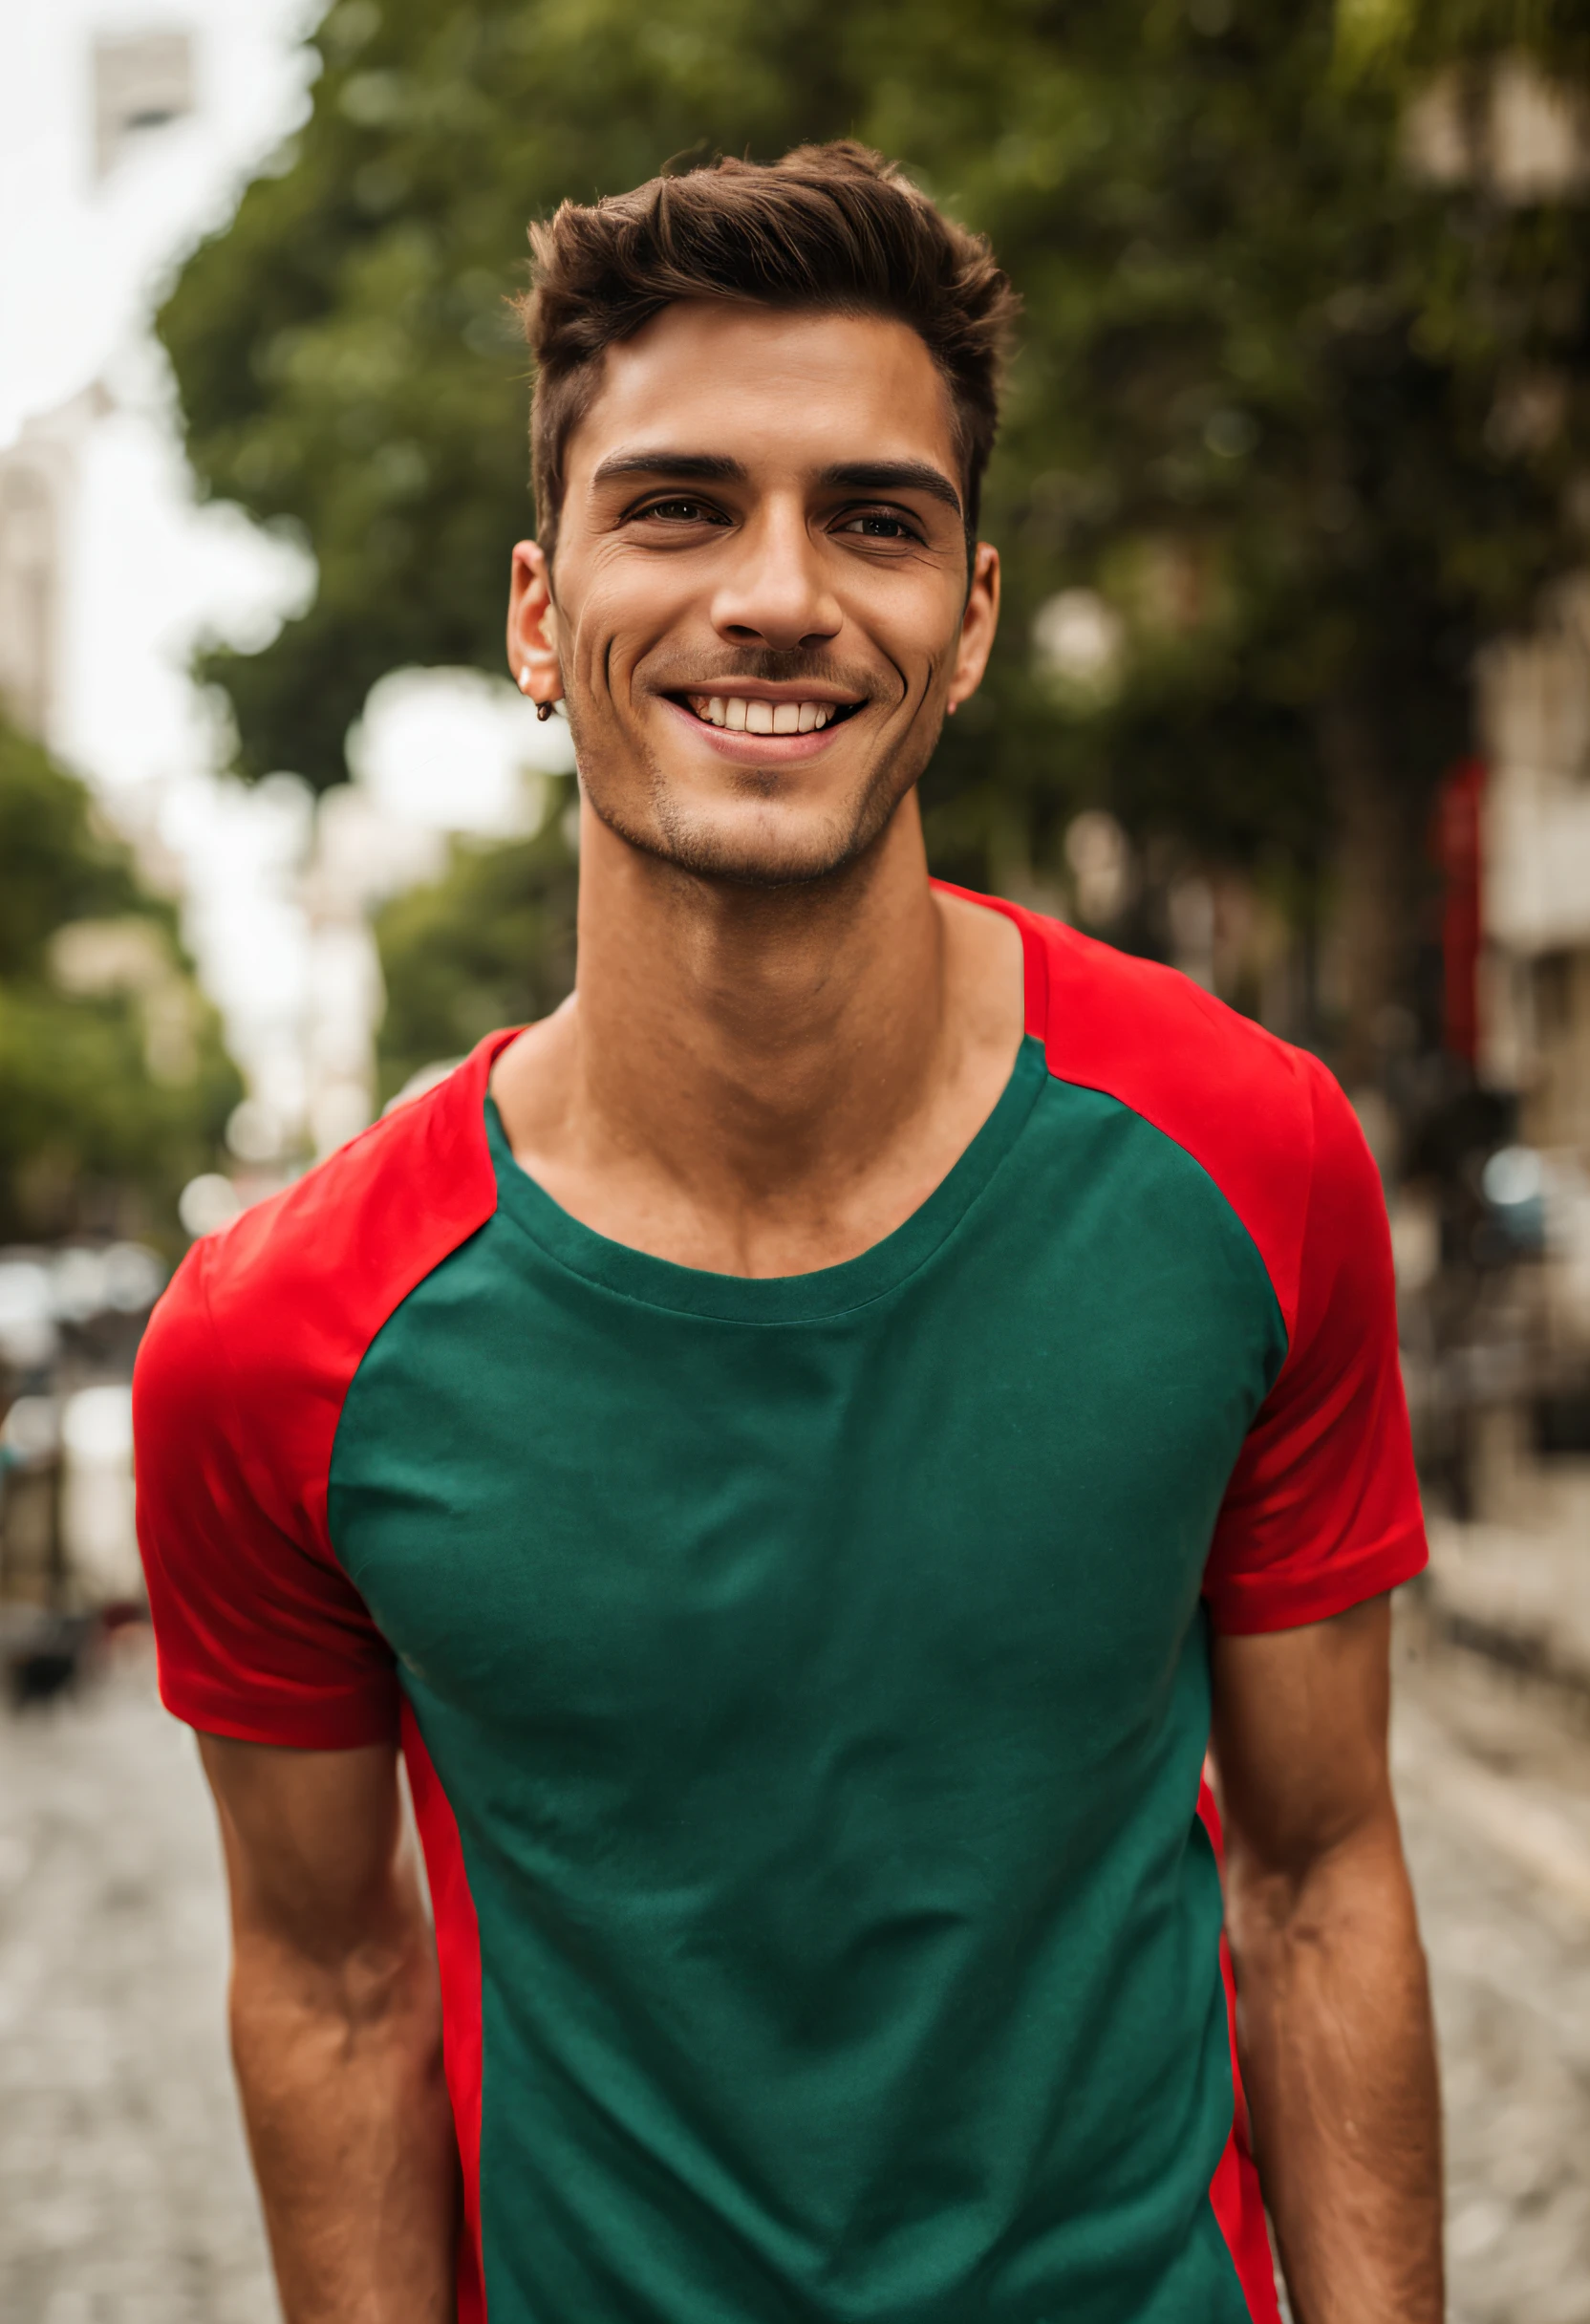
pixel 1113 1018
pixel 1266 1121
pixel 282 1305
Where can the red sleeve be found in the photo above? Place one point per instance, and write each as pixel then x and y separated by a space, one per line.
pixel 258 1633
pixel 1322 1509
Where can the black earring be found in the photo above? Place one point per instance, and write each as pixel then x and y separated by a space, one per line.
pixel 543 711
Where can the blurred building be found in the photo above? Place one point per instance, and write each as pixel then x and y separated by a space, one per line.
pixel 124 136
pixel 1508 126
pixel 142 81
pixel 1492 1230
pixel 1534 717
pixel 40 475
pixel 1535 979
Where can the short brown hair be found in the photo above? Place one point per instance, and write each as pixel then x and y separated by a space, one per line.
pixel 834 228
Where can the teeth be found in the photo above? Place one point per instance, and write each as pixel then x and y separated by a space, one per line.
pixel 740 716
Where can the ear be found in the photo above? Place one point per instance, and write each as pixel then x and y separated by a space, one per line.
pixel 533 626
pixel 978 622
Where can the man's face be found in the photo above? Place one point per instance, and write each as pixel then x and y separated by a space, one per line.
pixel 761 605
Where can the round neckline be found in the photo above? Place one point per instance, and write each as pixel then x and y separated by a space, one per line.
pixel 772 1299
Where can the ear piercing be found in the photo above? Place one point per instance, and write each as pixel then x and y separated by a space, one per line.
pixel 543 710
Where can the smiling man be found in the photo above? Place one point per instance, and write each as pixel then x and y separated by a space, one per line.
pixel 800 1452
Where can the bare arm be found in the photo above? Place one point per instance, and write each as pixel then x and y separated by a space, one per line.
pixel 337 2034
pixel 1334 2022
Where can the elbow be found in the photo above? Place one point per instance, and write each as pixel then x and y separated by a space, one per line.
pixel 1320 1904
pixel 336 2004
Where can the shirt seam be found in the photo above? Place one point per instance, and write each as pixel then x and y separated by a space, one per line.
pixel 783 1322
pixel 1068 1080
pixel 1302 1065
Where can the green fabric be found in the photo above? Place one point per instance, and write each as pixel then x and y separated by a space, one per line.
pixel 817 1673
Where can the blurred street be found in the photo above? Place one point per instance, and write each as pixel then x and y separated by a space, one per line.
pixel 1292 695
pixel 124 2191
pixel 1493 1783
pixel 125 2196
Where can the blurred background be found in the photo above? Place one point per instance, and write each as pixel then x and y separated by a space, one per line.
pixel 1292 691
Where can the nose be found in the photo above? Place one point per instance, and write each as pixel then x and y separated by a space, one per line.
pixel 774 592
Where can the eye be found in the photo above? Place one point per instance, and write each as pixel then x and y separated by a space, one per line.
pixel 880 525
pixel 681 511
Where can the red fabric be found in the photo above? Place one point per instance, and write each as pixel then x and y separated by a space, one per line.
pixel 1458 848
pixel 243 1373
pixel 457 1945
pixel 1322 1510
pixel 1233 2191
pixel 236 1398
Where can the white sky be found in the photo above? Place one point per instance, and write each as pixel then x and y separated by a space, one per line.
pixel 81 264
pixel 147 571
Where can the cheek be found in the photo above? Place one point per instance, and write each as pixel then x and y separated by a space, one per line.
pixel 620 620
pixel 913 624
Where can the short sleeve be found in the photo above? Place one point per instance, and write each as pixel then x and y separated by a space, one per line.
pixel 1322 1509
pixel 258 1633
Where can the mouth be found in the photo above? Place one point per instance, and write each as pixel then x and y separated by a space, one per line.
pixel 755 714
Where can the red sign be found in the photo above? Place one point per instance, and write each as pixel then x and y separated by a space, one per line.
pixel 1458 848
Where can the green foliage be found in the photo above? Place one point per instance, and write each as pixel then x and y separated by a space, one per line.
pixel 1258 409
pixel 110 1099
pixel 58 862
pixel 491 943
pixel 1275 403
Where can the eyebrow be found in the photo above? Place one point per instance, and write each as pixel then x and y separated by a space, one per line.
pixel 894 476
pixel 714 468
pixel 699 468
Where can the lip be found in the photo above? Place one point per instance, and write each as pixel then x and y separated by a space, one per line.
pixel 742 749
pixel 773 690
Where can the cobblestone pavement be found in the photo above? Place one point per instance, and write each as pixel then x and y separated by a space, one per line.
pixel 124 2190
pixel 1493 1782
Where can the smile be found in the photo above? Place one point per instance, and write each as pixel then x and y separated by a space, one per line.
pixel 741 713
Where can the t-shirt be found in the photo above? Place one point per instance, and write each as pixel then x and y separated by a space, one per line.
pixel 803 1683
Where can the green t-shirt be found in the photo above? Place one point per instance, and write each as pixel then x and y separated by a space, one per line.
pixel 804 1683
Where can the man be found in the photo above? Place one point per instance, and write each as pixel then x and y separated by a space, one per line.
pixel 804 1447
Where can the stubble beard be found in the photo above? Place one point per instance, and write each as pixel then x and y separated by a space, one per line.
pixel 690 844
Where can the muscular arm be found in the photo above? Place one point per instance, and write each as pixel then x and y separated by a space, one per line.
pixel 337 2034
pixel 1333 2002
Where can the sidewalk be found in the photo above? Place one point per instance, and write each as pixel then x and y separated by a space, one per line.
pixel 1518 1589
pixel 125 2193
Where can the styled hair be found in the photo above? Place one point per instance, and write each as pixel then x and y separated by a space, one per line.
pixel 835 228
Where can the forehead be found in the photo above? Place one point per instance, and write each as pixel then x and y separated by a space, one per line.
pixel 776 390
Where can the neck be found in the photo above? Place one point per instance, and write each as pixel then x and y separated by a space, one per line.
pixel 753 1042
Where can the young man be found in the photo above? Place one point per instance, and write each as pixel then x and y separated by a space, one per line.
pixel 802 1449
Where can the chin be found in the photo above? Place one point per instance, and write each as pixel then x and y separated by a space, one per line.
pixel 754 846
pixel 741 858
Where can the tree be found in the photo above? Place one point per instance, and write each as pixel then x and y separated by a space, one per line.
pixel 1263 411
pixel 491 943
pixel 1303 422
pixel 113 1085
